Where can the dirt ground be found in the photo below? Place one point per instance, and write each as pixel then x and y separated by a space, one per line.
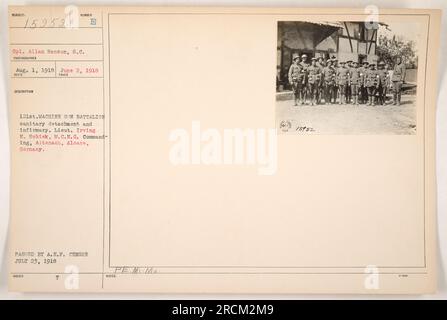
pixel 347 119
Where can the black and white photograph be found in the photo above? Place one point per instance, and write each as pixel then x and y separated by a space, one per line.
pixel 347 77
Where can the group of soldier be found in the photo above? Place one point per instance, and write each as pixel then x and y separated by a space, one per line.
pixel 330 80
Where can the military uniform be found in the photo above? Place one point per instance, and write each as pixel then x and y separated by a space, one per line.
pixel 363 94
pixel 335 84
pixel 388 83
pixel 348 87
pixel 329 84
pixel 304 66
pixel 296 81
pixel 320 91
pixel 398 79
pixel 371 84
pixel 342 81
pixel 313 82
pixel 382 73
pixel 355 81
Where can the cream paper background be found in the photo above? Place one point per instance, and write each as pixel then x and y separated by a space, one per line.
pixel 315 168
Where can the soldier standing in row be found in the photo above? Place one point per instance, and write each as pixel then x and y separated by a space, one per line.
pixel 335 66
pixel 313 81
pixel 320 91
pixel 388 84
pixel 348 87
pixel 382 75
pixel 297 79
pixel 398 79
pixel 363 94
pixel 371 83
pixel 329 83
pixel 355 81
pixel 304 66
pixel 342 79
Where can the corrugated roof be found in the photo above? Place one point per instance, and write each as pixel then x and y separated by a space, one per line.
pixel 327 23
pixel 337 24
